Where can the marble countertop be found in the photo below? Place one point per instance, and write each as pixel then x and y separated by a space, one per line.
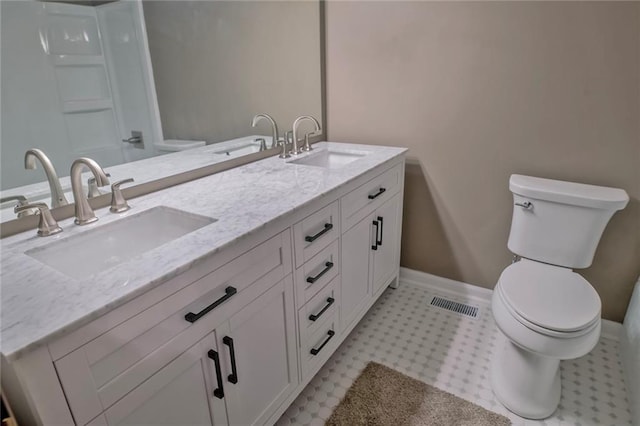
pixel 39 304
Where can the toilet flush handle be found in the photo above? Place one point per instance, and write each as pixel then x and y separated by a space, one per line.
pixel 526 205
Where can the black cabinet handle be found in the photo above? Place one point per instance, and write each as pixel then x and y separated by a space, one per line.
pixel 375 239
pixel 312 238
pixel 330 301
pixel 328 265
pixel 229 291
pixel 233 377
pixel 219 391
pixel 379 242
pixel 315 351
pixel 377 194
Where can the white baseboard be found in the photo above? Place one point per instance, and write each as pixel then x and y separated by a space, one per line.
pixel 445 285
pixel 610 329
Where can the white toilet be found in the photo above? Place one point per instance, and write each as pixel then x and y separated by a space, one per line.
pixel 546 311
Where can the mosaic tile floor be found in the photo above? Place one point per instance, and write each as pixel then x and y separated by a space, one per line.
pixel 453 353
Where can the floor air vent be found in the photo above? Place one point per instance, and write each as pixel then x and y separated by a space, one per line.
pixel 458 308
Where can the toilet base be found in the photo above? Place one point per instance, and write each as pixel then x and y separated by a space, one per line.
pixel 525 383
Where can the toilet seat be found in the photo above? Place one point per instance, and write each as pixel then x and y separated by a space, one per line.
pixel 549 299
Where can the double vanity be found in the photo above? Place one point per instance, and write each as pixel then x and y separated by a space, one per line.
pixel 212 302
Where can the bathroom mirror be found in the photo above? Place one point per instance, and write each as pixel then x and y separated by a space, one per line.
pixel 80 77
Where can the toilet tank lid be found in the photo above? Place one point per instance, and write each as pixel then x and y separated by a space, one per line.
pixel 579 194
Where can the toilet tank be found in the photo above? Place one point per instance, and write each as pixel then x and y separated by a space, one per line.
pixel 559 222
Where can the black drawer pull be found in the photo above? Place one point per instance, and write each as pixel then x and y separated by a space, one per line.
pixel 379 242
pixel 330 301
pixel 219 391
pixel 233 377
pixel 315 351
pixel 377 194
pixel 375 239
pixel 229 291
pixel 312 238
pixel 327 266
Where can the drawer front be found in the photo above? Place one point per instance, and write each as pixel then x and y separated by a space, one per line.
pixel 321 306
pixel 315 232
pixel 319 346
pixel 366 198
pixel 97 374
pixel 317 272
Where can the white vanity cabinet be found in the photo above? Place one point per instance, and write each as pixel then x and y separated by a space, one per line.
pixel 246 305
pixel 236 337
pixel 387 227
pixel 182 392
pixel 317 281
pixel 264 344
pixel 238 374
pixel 371 245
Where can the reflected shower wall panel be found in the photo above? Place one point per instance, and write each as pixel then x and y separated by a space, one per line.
pixel 72 30
pixel 91 134
pixel 124 41
pixel 88 82
pixel 31 113
pixel 55 89
pixel 83 84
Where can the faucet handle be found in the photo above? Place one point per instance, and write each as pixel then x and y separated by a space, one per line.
pixel 262 142
pixel 47 225
pixel 118 202
pixel 307 146
pixel 22 201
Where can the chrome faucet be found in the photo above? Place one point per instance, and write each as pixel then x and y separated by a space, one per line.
pixel 57 194
pixel 295 150
pixel 274 127
pixel 84 212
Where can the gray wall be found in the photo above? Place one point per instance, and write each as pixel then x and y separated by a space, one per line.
pixel 218 63
pixel 479 91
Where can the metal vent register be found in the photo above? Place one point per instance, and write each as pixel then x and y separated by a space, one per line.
pixel 458 308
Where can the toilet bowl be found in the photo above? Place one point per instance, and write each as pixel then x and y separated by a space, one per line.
pixel 546 312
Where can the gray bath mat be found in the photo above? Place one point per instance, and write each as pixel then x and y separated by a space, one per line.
pixel 381 396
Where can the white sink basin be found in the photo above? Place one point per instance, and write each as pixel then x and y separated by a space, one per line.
pixel 118 242
pixel 329 159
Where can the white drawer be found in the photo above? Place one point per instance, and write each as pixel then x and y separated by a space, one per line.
pixel 317 272
pixel 323 305
pixel 315 232
pixel 366 198
pixel 100 372
pixel 319 346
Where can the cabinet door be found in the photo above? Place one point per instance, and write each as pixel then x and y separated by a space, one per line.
pixel 355 291
pixel 259 349
pixel 180 393
pixel 386 259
